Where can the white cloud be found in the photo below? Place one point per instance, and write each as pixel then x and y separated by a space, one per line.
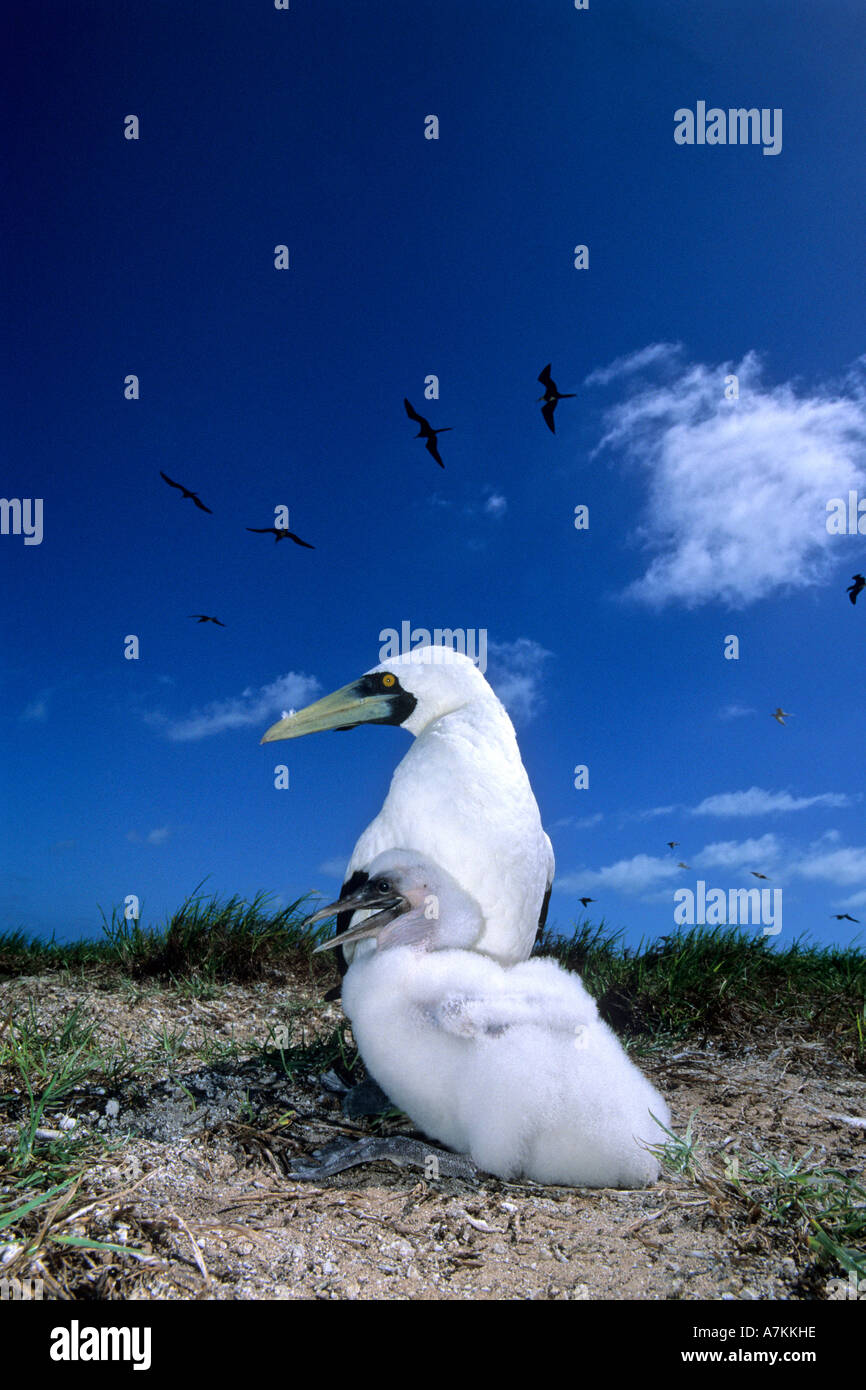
pixel 737 489
pixel 827 837
pixel 633 362
pixel 634 876
pixel 492 504
pixel 757 802
pixel 496 505
pixel 514 670
pixel 735 712
pixel 36 711
pixel 334 868
pixel 579 822
pixel 737 854
pixel 753 802
pixel 840 866
pixel 153 837
pixel 247 710
pixel 643 872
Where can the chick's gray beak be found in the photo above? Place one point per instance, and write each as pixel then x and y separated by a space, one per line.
pixel 391 905
pixel 371 926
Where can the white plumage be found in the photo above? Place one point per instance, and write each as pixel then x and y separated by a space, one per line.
pixel 460 796
pixel 512 1066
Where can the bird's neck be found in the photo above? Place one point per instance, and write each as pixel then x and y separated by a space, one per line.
pixel 479 720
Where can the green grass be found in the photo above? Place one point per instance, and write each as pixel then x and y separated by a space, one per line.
pixel 827 1206
pixel 205 943
pixel 207 940
pixel 822 1210
pixel 696 982
pixel 331 1052
pixel 713 980
pixel 722 982
pixel 44 1063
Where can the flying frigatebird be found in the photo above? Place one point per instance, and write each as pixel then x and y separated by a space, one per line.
pixel 426 431
pixel 187 492
pixel 281 533
pixel 551 396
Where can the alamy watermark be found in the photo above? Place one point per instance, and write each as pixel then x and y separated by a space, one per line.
pixel 739 907
pixel 77 1343
pixel 16 1289
pixel 852 1288
pixel 847 520
pixel 738 125
pixel 470 641
pixel 22 516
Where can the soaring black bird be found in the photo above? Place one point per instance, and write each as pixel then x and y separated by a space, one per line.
pixel 281 534
pixel 845 917
pixel 186 492
pixel 757 875
pixel 426 431
pixel 203 618
pixel 586 901
pixel 857 587
pixel 672 844
pixel 552 394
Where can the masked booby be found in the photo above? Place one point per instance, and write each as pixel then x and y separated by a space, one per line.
pixel 512 1066
pixel 460 796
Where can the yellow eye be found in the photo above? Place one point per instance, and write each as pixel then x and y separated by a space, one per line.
pixel 388 681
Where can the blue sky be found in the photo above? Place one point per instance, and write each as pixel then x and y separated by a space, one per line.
pixel 258 387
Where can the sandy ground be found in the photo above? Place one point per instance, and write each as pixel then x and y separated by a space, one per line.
pixel 193 1175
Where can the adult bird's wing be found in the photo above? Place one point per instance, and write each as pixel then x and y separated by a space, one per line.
pixel 413 414
pixel 544 376
pixel 353 882
pixel 466 761
pixel 171 481
pixel 298 541
pixel 547 411
pixel 264 530
pixel 201 506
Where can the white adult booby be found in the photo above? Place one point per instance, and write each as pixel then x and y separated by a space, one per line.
pixel 512 1066
pixel 460 796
